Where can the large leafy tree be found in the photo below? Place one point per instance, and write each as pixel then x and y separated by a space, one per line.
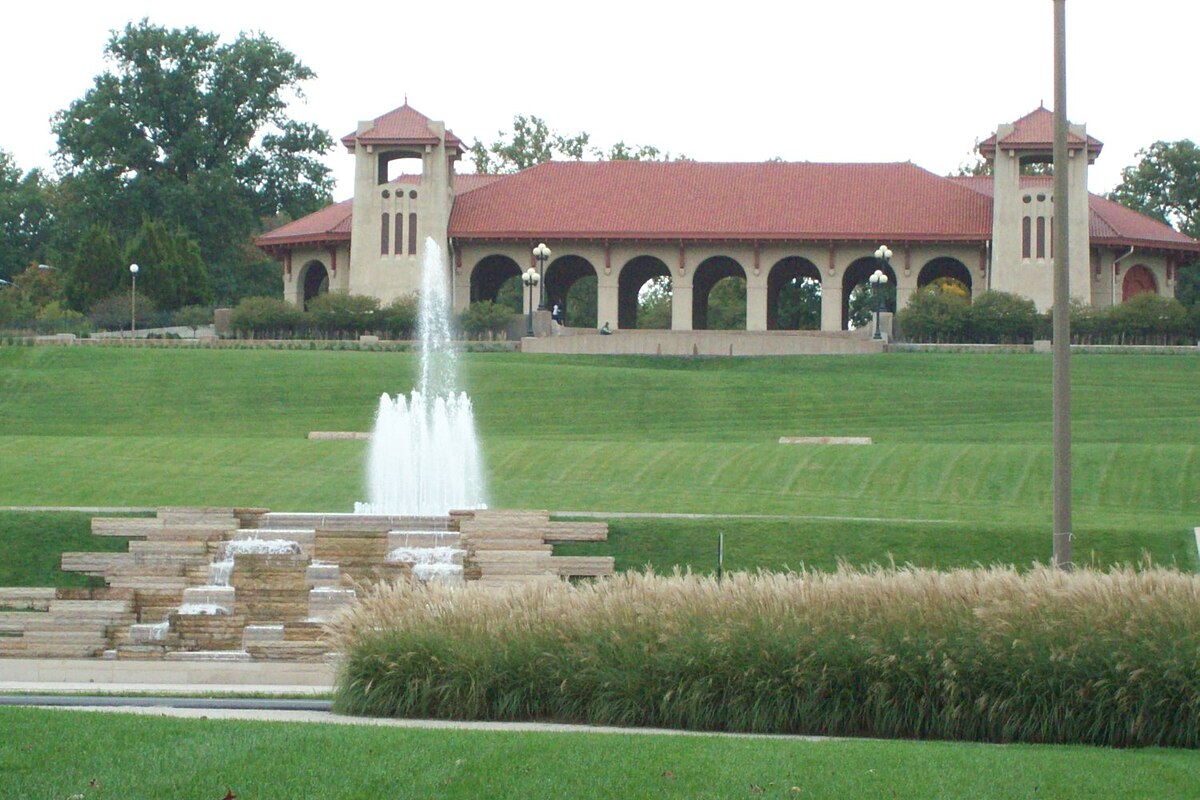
pixel 25 216
pixel 532 141
pixel 193 132
pixel 1165 184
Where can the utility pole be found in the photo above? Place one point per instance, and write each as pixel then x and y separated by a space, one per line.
pixel 1062 299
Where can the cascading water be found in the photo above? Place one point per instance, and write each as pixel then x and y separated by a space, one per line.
pixel 424 455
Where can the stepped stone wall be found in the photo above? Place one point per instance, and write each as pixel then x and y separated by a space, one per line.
pixel 276 603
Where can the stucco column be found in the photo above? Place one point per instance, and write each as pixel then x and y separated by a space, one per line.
pixel 756 305
pixel 831 305
pixel 607 301
pixel 681 303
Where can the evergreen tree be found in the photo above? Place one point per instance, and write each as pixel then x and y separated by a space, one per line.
pixel 97 271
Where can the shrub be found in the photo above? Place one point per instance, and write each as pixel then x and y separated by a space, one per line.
pixel 1148 316
pixel 192 317
pixel 486 318
pixel 983 654
pixel 399 320
pixel 935 315
pixel 1002 318
pixel 265 316
pixel 115 312
pixel 338 312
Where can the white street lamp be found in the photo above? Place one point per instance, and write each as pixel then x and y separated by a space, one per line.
pixel 133 271
pixel 542 254
pixel 879 280
pixel 531 279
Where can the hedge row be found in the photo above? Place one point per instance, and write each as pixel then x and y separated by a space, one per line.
pixel 936 315
pixel 984 654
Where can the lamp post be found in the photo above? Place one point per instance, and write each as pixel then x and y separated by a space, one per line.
pixel 530 279
pixel 879 280
pixel 133 271
pixel 542 254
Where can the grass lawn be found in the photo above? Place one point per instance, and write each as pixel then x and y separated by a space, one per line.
pixel 32 543
pixel 961 466
pixel 55 754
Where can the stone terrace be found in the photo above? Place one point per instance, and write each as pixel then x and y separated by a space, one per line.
pixel 175 595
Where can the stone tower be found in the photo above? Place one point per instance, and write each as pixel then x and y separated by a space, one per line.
pixel 1023 207
pixel 404 163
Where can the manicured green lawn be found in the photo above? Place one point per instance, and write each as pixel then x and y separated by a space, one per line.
pixel 751 544
pixel 962 449
pixel 57 754
pixel 33 542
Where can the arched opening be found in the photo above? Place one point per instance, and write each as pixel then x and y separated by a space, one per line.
pixel 947 273
pixel 794 295
pixel 394 164
pixel 858 301
pixel 315 281
pixel 1138 280
pixel 497 279
pixel 719 295
pixel 571 284
pixel 644 294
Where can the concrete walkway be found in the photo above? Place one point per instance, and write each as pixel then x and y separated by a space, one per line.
pixel 267 715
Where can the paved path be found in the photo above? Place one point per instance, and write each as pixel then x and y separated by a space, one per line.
pixel 267 715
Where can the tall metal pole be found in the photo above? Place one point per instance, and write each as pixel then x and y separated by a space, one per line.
pixel 1062 299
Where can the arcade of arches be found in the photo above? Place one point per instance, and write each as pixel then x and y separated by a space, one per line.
pixel 741 288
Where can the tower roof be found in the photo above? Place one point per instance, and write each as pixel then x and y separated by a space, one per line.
pixel 404 125
pixel 1035 132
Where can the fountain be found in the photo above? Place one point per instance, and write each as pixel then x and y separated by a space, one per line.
pixel 424 455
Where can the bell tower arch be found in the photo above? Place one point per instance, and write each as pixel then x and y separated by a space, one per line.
pixel 403 193
pixel 1021 157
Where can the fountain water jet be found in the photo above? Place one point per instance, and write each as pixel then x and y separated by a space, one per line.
pixel 424 455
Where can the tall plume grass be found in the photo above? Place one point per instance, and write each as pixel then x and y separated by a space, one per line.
pixel 990 654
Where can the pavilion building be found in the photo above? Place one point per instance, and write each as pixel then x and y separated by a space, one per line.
pixel 629 222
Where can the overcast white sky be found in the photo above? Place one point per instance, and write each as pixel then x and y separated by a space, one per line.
pixel 872 80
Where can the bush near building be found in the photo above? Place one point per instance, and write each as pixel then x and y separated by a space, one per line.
pixel 336 315
pixel 996 317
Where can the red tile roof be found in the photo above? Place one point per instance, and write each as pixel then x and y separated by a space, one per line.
pixel 1035 131
pixel 760 202
pixel 332 223
pixel 404 125
pixel 691 200
pixel 1109 223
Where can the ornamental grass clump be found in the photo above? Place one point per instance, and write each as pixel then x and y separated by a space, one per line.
pixel 1109 658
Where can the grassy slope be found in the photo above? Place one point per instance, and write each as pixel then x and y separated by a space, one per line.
pixel 32 543
pixel 959 438
pixel 202 759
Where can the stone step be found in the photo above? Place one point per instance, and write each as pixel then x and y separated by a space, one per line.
pixel 170 547
pixel 510 556
pixel 253 635
pixel 208 655
pixel 352 522
pixel 582 566
pixel 152 583
pixel 90 608
pixel 14 621
pixel 523 545
pixel 209 595
pixel 22 597
pixel 423 539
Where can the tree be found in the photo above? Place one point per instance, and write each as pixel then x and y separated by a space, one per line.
pixel 727 305
pixel 654 304
pixel 24 217
pixel 195 133
pixel 173 274
pixel 97 269
pixel 799 305
pixel 862 303
pixel 1165 184
pixel 533 142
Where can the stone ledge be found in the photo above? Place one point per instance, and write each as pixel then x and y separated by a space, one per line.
pixel 825 440
pixel 340 435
